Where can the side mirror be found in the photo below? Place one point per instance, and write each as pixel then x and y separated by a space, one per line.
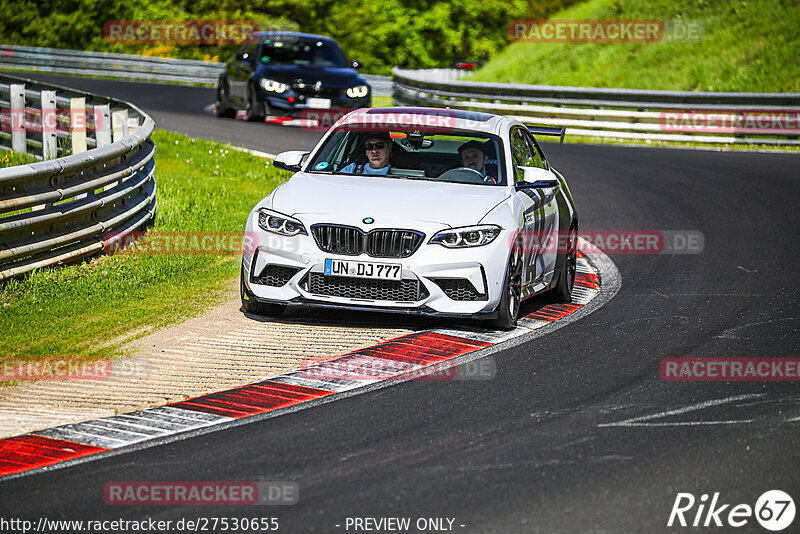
pixel 290 160
pixel 537 178
pixel 356 64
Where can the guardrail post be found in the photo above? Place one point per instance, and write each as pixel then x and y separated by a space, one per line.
pixel 49 123
pixel 119 129
pixel 102 125
pixel 77 126
pixel 119 124
pixel 102 132
pixel 18 142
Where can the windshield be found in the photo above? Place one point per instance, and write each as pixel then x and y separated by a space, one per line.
pixel 454 156
pixel 302 52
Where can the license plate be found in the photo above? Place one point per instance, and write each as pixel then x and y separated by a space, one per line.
pixel 319 103
pixel 363 269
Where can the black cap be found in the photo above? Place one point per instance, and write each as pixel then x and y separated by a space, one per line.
pixel 472 144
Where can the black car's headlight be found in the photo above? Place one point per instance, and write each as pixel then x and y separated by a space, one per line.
pixel 272 86
pixel 281 224
pixel 358 92
pixel 468 236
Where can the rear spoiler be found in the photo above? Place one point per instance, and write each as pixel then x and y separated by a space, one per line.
pixel 544 130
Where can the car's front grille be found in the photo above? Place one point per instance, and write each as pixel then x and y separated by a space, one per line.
pixel 459 289
pixel 276 275
pixel 366 288
pixel 351 241
pixel 308 90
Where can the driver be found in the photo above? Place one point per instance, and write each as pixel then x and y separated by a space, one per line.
pixel 379 148
pixel 473 155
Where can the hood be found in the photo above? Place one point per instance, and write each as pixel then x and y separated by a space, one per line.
pixel 329 76
pixel 396 198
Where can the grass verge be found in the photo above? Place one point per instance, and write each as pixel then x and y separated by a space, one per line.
pixel 89 310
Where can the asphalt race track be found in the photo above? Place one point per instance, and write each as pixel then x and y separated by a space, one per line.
pixel 577 432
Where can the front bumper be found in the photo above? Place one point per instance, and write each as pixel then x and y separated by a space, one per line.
pixel 294 108
pixel 484 267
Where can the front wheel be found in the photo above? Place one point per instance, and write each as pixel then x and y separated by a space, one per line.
pixel 258 308
pixel 222 107
pixel 508 309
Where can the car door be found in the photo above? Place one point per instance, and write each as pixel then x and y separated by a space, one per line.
pixel 240 68
pixel 549 217
pixel 533 208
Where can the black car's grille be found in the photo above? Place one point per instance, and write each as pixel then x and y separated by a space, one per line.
pixel 365 288
pixel 276 275
pixel 308 90
pixel 459 289
pixel 352 241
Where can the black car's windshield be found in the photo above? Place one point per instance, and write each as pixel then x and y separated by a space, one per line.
pixel 453 156
pixel 302 52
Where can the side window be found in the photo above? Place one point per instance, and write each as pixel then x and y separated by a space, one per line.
pixel 538 156
pixel 520 153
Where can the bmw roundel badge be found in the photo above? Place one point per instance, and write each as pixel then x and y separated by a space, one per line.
pixel 368 220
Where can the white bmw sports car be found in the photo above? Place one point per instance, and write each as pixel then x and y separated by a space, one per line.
pixel 414 210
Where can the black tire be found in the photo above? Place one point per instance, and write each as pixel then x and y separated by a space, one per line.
pixel 254 111
pixel 258 308
pixel 562 292
pixel 222 107
pixel 508 309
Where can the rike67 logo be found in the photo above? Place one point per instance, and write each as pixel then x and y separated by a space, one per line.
pixel 774 510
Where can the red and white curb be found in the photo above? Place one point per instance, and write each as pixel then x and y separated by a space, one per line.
pixel 283 121
pixel 393 359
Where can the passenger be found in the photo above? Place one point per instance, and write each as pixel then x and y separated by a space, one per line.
pixel 473 155
pixel 379 148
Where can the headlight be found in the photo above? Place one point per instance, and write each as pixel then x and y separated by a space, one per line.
pixel 277 223
pixel 273 86
pixel 469 236
pixel 358 92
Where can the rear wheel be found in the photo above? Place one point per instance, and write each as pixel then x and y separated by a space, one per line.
pixel 569 268
pixel 222 108
pixel 258 308
pixel 508 309
pixel 254 111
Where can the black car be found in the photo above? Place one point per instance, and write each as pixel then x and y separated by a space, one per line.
pixel 283 73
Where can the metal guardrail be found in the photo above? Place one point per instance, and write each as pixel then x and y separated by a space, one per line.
pixel 64 209
pixel 132 67
pixel 611 113
pixel 124 66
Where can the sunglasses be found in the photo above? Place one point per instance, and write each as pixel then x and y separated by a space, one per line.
pixel 375 146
